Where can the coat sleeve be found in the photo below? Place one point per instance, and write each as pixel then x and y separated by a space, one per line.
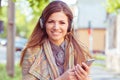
pixel 28 60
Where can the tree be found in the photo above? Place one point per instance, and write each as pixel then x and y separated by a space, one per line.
pixel 37 8
pixel 113 6
pixel 37 5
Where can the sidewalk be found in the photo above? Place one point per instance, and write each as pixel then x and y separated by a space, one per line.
pixel 101 73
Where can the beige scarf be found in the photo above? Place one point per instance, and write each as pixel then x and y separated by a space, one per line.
pixel 51 60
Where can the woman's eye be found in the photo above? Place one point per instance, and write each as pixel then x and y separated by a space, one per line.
pixel 50 21
pixel 62 22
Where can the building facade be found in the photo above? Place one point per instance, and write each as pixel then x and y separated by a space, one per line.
pixel 113 43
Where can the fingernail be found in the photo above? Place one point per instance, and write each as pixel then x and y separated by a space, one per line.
pixel 77 64
pixel 83 63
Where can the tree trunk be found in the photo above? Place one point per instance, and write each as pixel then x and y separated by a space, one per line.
pixel 10 38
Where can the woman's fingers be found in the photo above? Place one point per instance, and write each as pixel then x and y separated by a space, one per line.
pixel 78 76
pixel 69 75
pixel 80 72
pixel 86 67
pixel 76 73
pixel 84 72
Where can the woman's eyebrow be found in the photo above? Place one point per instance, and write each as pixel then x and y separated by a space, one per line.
pixel 58 20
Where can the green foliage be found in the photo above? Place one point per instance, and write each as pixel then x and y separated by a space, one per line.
pixel 14 0
pixel 113 6
pixel 37 8
pixel 4 76
pixel 0 10
pixel 24 27
pixel 31 26
pixel 21 24
pixel 38 5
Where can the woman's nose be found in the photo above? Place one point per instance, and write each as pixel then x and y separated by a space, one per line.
pixel 56 26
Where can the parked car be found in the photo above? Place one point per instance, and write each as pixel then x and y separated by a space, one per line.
pixel 19 43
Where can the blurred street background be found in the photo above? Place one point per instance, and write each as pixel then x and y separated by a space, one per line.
pixel 98 23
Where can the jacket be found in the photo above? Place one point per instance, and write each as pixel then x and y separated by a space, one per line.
pixel 39 64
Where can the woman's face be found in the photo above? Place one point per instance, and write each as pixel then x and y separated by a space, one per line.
pixel 56 27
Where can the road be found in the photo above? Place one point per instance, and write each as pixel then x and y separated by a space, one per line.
pixel 3 56
pixel 102 73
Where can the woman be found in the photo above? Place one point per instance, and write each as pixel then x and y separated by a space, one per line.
pixel 53 52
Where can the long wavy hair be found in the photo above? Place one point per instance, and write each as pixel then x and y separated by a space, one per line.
pixel 39 34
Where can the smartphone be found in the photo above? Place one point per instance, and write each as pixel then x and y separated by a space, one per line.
pixel 88 62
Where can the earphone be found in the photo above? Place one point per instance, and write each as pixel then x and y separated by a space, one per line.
pixel 41 23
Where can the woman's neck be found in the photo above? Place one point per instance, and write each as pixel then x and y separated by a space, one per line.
pixel 56 42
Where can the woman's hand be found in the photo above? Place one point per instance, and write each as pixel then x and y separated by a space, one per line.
pixel 82 72
pixel 68 75
pixel 77 73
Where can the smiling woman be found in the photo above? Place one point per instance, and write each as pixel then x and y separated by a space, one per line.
pixel 56 27
pixel 53 51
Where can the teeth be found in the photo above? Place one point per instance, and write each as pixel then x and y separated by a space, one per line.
pixel 55 32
